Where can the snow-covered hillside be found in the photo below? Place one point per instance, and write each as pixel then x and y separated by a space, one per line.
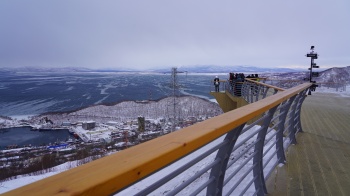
pixel 335 75
pixel 185 106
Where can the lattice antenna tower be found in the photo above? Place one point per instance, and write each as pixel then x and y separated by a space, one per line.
pixel 175 87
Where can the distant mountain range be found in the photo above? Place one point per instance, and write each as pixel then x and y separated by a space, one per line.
pixel 190 69
pixel 332 75
pixel 43 69
pixel 235 69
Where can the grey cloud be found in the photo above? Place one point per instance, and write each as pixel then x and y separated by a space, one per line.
pixel 155 33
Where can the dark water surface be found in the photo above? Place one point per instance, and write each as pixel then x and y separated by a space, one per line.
pixel 24 136
pixel 24 94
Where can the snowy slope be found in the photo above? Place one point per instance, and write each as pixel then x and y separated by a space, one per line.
pixel 334 75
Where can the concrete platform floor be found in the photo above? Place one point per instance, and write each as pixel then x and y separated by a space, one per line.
pixel 319 164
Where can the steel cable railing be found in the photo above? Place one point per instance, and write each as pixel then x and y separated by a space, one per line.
pixel 220 156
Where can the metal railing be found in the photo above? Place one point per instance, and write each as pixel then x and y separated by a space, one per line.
pixel 223 85
pixel 220 156
pixel 253 91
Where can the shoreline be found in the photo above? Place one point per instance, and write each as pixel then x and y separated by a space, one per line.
pixel 115 119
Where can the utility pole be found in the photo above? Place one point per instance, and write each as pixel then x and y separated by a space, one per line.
pixel 174 87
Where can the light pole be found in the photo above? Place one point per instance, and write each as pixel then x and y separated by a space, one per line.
pixel 313 55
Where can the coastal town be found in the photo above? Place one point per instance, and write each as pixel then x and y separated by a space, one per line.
pixel 94 132
pixel 137 130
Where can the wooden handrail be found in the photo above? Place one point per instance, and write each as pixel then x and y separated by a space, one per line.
pixel 115 172
pixel 267 85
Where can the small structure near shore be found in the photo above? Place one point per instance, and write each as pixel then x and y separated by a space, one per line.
pixel 89 125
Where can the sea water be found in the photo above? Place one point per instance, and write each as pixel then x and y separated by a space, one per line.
pixel 25 94
pixel 22 136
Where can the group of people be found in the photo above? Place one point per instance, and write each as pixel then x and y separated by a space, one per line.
pixel 238 77
pixel 233 77
pixel 253 76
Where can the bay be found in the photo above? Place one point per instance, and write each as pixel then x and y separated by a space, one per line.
pixel 23 94
pixel 24 136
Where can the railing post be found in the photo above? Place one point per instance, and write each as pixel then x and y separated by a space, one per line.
pixel 257 91
pixel 258 170
pixel 292 120
pixel 265 92
pixel 244 90
pixel 275 91
pixel 251 90
pixel 279 136
pixel 223 154
pixel 298 111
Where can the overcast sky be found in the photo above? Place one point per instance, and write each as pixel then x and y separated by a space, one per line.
pixel 162 33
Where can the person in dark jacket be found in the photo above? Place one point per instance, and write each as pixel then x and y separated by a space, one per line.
pixel 216 83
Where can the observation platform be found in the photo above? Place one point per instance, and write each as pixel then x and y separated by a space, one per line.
pixel 320 162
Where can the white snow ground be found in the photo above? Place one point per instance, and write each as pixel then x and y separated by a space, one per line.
pixel 340 91
pixel 26 179
pixel 22 180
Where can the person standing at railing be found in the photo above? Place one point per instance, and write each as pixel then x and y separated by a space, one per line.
pixel 216 83
pixel 231 75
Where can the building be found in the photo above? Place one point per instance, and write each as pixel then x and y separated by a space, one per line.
pixel 89 125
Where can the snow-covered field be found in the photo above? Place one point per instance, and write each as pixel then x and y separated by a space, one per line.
pixel 340 91
pixel 27 179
